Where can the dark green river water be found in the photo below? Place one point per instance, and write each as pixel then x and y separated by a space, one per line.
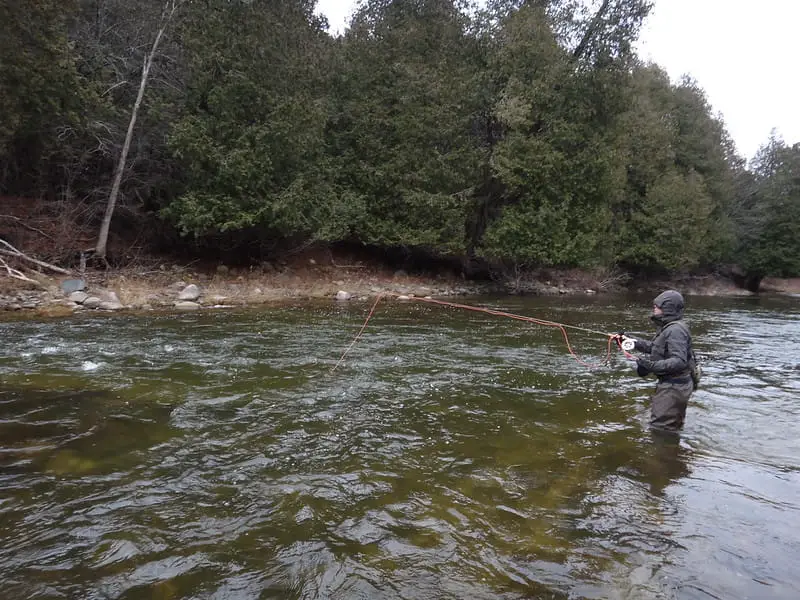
pixel 453 455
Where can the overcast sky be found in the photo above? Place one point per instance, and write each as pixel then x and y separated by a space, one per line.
pixel 743 53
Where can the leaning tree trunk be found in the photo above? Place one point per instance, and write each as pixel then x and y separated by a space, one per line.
pixel 170 7
pixel 591 30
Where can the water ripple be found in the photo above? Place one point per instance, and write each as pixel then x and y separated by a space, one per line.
pixel 452 455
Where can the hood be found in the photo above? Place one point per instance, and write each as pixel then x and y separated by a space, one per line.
pixel 671 303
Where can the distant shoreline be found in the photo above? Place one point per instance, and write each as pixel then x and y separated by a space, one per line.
pixel 161 289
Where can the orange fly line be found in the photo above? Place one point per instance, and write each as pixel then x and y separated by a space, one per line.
pixel 498 313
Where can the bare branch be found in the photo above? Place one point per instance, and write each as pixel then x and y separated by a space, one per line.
pixel 15 274
pixel 11 251
pixel 113 87
pixel 64 132
pixel 25 225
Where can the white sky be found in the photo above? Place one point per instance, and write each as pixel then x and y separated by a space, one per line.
pixel 744 54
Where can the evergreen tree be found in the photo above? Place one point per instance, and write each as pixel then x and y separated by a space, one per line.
pixel 251 140
pixel 768 214
pixel 401 134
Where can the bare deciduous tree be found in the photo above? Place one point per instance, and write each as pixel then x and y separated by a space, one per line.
pixel 169 10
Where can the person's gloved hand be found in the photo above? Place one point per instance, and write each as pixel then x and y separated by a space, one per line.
pixel 644 366
pixel 623 341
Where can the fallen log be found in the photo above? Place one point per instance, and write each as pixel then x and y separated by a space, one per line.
pixel 16 274
pixel 9 250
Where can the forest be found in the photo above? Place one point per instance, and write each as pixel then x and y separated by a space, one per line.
pixel 505 135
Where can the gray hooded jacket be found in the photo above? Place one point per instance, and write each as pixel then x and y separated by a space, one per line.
pixel 671 347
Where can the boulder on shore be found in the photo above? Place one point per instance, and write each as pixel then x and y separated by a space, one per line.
pixel 190 293
pixel 73 285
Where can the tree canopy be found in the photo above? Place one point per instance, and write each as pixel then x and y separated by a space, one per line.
pixel 523 134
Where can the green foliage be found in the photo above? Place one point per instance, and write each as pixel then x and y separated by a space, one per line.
pixel 676 181
pixel 40 90
pixel 549 233
pixel 554 162
pixel 405 101
pixel 252 139
pixel 703 146
pixel 519 132
pixel 668 228
pixel 768 214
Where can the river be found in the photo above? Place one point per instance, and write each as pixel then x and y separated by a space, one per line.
pixel 453 454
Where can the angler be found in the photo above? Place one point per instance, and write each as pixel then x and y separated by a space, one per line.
pixel 670 355
pixel 670 358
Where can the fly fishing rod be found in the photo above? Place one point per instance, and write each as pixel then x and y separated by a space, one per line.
pixel 611 337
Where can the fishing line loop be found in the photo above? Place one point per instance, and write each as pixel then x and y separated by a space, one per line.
pixel 498 313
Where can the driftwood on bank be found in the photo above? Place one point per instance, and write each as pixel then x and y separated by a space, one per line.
pixel 9 250
pixel 15 273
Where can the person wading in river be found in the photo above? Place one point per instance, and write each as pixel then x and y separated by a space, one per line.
pixel 671 359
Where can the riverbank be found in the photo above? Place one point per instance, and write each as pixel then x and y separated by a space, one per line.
pixel 173 286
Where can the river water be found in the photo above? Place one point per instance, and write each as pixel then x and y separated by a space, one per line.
pixel 453 454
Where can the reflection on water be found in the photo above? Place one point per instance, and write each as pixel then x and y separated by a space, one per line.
pixel 453 455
